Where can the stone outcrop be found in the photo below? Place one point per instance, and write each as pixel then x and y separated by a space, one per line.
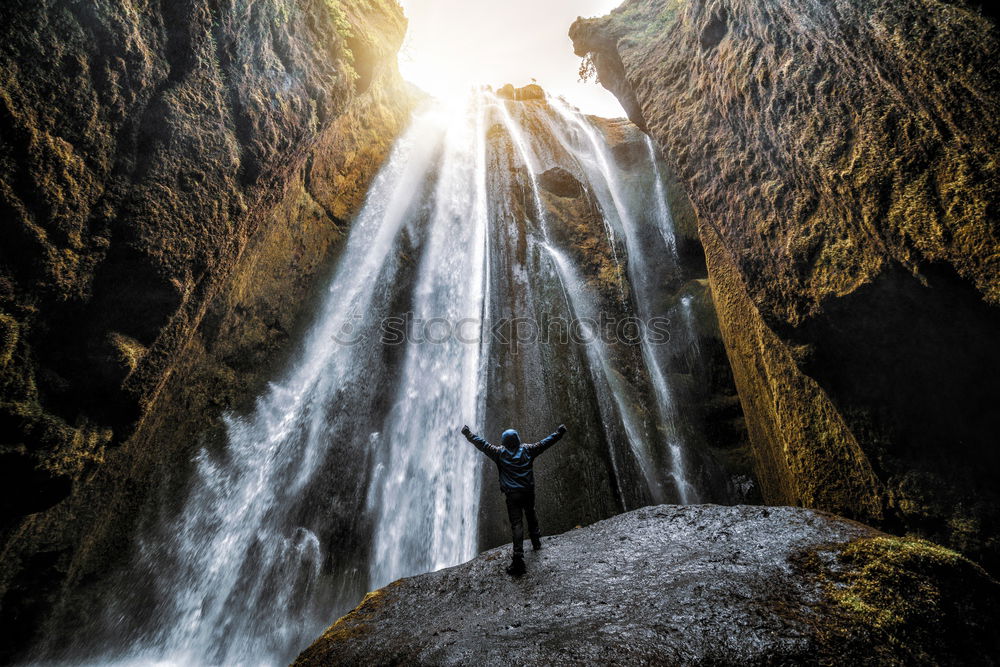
pixel 841 157
pixel 532 91
pixel 697 584
pixel 172 179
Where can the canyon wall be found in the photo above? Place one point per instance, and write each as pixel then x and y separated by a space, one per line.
pixel 173 178
pixel 841 158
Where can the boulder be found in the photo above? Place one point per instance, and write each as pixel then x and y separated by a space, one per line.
pixel 530 92
pixel 697 584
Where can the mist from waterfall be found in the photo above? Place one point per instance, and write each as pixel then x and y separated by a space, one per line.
pixel 349 472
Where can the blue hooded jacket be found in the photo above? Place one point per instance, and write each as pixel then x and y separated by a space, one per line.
pixel 514 459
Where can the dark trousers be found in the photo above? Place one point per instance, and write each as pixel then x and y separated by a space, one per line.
pixel 518 502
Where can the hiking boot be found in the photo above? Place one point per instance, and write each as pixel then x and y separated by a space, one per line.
pixel 536 543
pixel 516 568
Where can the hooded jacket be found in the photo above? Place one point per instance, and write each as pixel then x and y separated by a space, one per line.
pixel 514 459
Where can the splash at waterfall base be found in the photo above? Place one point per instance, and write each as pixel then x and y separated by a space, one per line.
pixel 699 584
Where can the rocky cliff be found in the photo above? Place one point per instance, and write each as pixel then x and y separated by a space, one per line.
pixel 173 176
pixel 700 584
pixel 841 157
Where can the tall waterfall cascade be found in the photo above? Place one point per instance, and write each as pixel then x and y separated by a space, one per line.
pixel 471 289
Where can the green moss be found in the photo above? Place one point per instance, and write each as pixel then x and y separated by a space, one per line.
pixel 58 448
pixel 340 22
pixel 899 600
pixel 283 11
pixel 646 21
pixel 891 585
pixel 345 31
pixel 83 449
pixel 354 624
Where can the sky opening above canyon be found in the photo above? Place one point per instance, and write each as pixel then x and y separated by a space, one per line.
pixel 452 45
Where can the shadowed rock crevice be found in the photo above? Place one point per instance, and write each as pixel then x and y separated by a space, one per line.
pixel 561 183
pixel 714 30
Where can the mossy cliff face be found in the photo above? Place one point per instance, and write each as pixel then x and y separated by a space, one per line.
pixel 900 600
pixel 173 178
pixel 841 157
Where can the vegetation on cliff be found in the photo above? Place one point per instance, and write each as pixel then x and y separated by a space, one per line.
pixel 900 600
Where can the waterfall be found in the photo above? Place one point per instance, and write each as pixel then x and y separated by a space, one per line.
pixel 610 402
pixel 602 170
pixel 611 395
pixel 426 495
pixel 349 472
pixel 664 220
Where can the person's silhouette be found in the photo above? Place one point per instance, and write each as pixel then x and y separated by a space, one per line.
pixel 517 481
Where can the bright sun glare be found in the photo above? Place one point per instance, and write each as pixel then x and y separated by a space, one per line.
pixel 453 45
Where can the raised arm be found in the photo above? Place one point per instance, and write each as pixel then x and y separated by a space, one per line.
pixel 539 447
pixel 481 444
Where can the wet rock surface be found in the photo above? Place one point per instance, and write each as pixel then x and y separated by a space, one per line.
pixel 699 584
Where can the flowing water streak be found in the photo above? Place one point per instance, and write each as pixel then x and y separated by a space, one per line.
pixel 664 219
pixel 238 558
pixel 608 382
pixel 517 137
pixel 638 274
pixel 687 312
pixel 427 496
pixel 572 288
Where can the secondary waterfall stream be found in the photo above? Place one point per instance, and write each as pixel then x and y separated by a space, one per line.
pixel 349 472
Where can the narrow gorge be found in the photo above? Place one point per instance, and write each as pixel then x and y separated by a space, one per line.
pixel 253 282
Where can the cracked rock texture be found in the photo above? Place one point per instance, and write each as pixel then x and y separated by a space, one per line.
pixel 173 178
pixel 841 158
pixel 697 584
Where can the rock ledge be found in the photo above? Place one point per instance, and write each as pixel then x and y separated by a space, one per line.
pixel 684 585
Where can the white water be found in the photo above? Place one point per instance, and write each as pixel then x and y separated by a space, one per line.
pixel 426 494
pixel 664 219
pixel 244 571
pixel 602 169
pixel 242 568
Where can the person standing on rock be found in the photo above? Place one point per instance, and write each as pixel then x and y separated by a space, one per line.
pixel 517 481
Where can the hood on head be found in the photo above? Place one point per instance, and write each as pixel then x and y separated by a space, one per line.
pixel 510 439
